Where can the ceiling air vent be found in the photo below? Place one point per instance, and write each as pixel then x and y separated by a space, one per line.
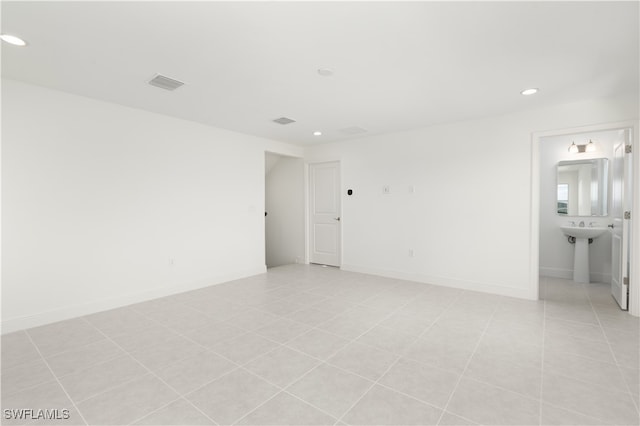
pixel 284 120
pixel 354 130
pixel 164 82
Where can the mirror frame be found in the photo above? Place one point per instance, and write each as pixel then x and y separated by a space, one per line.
pixel 602 208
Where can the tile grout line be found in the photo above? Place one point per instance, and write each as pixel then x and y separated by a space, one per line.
pixel 56 378
pixel 238 367
pixel 398 357
pixel 455 388
pixel 544 332
pixel 619 367
pixel 146 368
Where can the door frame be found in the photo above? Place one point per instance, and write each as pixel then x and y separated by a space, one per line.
pixel 534 254
pixel 307 208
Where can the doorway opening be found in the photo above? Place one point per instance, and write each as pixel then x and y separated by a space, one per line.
pixel 589 189
pixel 284 210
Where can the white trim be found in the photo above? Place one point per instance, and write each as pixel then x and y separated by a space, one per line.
pixel 534 254
pixel 21 323
pixel 521 293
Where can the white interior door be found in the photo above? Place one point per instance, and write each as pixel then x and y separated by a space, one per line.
pixel 619 232
pixel 324 210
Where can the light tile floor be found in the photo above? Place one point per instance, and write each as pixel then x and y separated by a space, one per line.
pixel 310 345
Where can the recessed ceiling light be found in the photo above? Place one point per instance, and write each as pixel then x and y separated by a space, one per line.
pixel 11 39
pixel 317 133
pixel 528 92
pixel 325 72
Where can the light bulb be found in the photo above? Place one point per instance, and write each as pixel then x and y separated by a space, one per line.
pixel 573 148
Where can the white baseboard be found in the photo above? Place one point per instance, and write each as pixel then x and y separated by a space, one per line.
pixel 520 293
pixel 20 323
pixel 567 274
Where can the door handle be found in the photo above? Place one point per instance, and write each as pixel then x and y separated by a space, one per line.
pixel 610 226
pixel 337 218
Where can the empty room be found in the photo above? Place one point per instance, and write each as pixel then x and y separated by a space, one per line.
pixel 320 213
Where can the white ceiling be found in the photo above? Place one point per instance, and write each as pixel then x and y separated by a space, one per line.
pixel 397 65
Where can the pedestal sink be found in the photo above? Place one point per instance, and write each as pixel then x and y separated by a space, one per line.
pixel 581 254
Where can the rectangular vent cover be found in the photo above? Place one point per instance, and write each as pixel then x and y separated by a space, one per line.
pixel 284 120
pixel 164 82
pixel 354 130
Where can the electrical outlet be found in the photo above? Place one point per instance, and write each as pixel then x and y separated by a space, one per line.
pixel 386 189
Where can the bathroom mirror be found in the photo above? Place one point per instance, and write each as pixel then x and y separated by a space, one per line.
pixel 582 187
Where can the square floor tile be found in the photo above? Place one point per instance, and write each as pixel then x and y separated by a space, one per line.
pixel 17 348
pixel 145 338
pixel 318 344
pixel 589 400
pixel 551 415
pixel 83 357
pixel 47 396
pixel 424 382
pixel 330 389
pixel 282 366
pixel 283 330
pixel 388 339
pixel 447 348
pixel 24 376
pixel 599 373
pixel 118 321
pixel 252 319
pixel 62 336
pixel 311 316
pixel 172 350
pixel 517 378
pixel 381 406
pixel 231 397
pixel 285 409
pixel 177 413
pixel 453 420
pixel 191 373
pixel 593 349
pixel 244 348
pixel 214 334
pixel 127 403
pixel 101 377
pixel 488 404
pixel 364 360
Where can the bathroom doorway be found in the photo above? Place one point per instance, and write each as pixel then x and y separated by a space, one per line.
pixel 609 256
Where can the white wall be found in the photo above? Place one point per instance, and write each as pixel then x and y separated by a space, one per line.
pixel 98 199
pixel 556 254
pixel 284 202
pixel 468 218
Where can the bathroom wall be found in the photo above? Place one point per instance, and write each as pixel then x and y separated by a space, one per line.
pixel 284 202
pixel 459 208
pixel 556 254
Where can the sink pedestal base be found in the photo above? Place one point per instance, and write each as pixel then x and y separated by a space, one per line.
pixel 581 261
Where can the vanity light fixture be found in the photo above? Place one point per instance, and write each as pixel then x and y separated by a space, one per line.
pixel 528 92
pixel 588 147
pixel 14 40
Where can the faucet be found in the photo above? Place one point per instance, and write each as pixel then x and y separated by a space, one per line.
pixel 581 224
pixel 591 224
pixel 572 223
